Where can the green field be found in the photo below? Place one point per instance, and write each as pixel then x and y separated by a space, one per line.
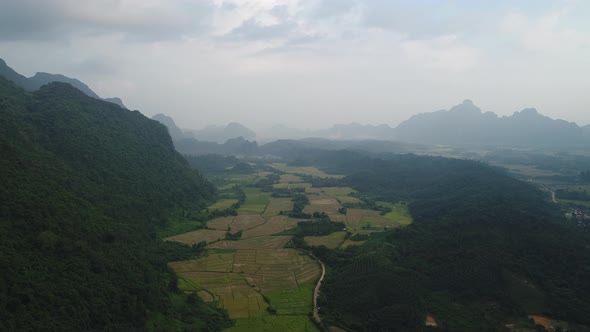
pixel 223 204
pixel 331 241
pixel 256 201
pixel 293 301
pixel 400 213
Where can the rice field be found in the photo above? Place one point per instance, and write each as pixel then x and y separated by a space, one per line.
pixel 223 204
pixel 220 224
pixel 236 280
pixel 328 205
pixel 190 238
pixel 246 221
pixel 273 225
pixel 256 201
pixel 358 219
pixel 277 205
pixel 259 242
pixel 332 241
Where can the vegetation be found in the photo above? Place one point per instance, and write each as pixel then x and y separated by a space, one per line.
pixel 484 250
pixel 85 187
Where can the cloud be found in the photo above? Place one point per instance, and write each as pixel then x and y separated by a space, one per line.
pixel 133 19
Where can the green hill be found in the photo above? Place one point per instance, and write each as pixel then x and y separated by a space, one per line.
pixel 84 187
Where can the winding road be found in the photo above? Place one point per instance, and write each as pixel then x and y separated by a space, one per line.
pixel 316 291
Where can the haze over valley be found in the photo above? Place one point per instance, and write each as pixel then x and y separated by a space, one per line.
pixel 294 165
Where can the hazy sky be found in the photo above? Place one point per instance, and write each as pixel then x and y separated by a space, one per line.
pixel 310 63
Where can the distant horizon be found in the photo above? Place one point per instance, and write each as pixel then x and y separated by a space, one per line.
pixel 310 62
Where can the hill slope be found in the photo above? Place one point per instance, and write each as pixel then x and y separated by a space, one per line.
pixel 84 186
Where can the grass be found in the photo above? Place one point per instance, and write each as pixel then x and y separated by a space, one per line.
pixel 400 213
pixel 359 219
pixel 312 171
pixel 338 191
pixel 195 237
pixel 223 204
pixel 331 241
pixel 293 301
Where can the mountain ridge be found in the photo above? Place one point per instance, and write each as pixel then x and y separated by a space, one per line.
pixel 42 78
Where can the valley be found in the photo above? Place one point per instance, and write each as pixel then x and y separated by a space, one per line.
pixel 261 277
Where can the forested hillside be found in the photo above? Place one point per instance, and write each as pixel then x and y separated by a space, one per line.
pixel 484 250
pixel 84 186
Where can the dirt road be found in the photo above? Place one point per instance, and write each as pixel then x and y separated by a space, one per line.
pixel 316 291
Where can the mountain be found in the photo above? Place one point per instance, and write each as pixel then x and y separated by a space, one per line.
pixel 233 146
pixel 221 134
pixel 466 124
pixel 175 132
pixel 11 75
pixel 115 100
pixel 85 188
pixel 40 79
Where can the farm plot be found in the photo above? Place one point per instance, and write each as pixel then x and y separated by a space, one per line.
pixel 246 221
pixel 286 178
pixel 220 224
pixel 223 204
pixel 328 206
pixel 236 280
pixel 277 205
pixel 259 242
pixel 359 219
pixel 274 225
pixel 331 241
pixel 337 191
pixel 195 237
pixel 293 301
pixel 256 201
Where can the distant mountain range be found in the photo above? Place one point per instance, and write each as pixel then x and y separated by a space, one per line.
pixel 466 124
pixel 226 140
pixel 40 79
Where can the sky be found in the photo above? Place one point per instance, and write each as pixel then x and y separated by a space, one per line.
pixel 310 63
